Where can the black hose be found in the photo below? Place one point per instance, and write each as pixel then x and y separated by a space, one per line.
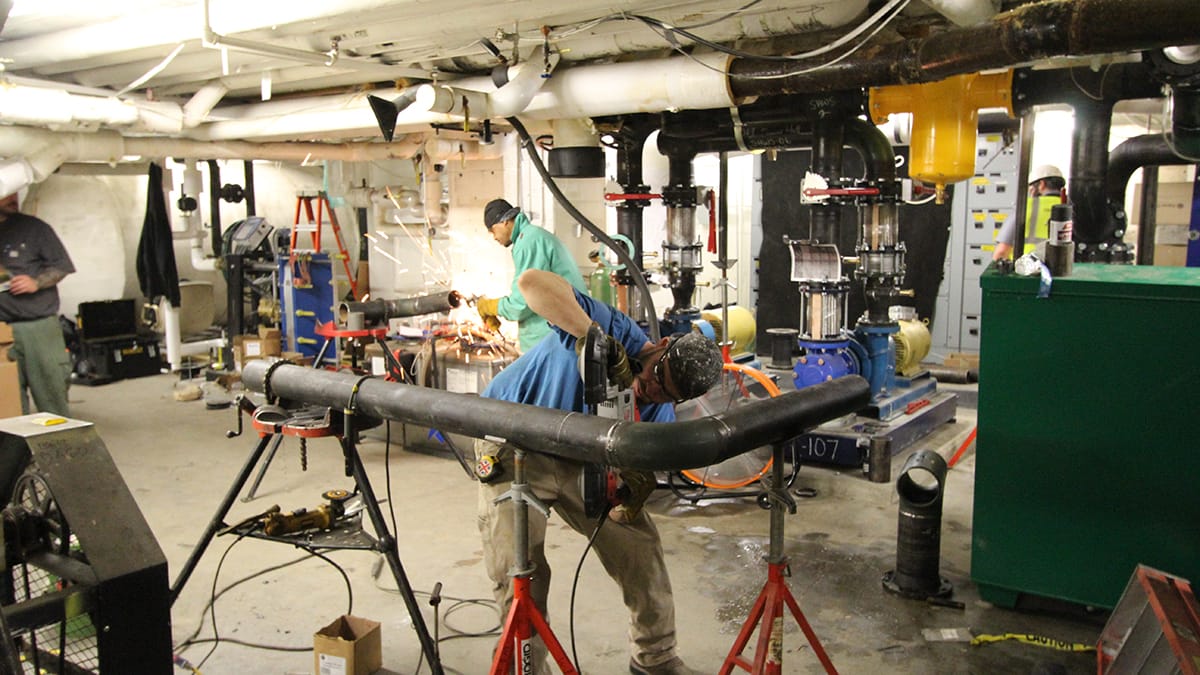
pixel 635 272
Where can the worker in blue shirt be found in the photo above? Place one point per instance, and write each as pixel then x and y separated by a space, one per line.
pixel 671 370
pixel 532 249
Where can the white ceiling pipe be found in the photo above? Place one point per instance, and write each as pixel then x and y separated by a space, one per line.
pixel 531 75
pixel 51 149
pixel 586 91
pixel 574 133
pixel 20 104
pixel 197 108
pixel 965 12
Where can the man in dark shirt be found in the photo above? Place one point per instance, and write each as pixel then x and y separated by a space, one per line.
pixel 33 261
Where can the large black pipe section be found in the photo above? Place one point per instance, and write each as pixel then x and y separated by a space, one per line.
pixel 921 487
pixel 1099 223
pixel 631 140
pixel 572 435
pixel 1133 154
pixel 378 311
pixel 214 205
pixel 1185 122
pixel 769 123
pixel 1033 31
pixel 635 270
pixel 1148 218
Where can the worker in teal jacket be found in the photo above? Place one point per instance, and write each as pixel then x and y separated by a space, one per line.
pixel 532 248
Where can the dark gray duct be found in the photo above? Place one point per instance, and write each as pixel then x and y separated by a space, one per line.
pixel 1033 31
pixel 573 435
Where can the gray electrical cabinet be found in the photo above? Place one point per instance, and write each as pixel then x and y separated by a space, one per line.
pixel 980 206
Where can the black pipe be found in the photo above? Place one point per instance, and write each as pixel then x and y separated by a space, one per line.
pixel 877 153
pixel 951 375
pixel 378 311
pixel 1148 218
pixel 827 150
pixel 248 172
pixel 1097 218
pixel 1133 154
pixel 573 435
pixel 214 205
pixel 1112 83
pixel 919 531
pixel 631 140
pixel 1027 33
pixel 635 271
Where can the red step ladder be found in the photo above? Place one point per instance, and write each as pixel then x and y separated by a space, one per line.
pixel 311 225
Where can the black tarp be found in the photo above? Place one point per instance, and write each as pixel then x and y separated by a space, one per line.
pixel 157 274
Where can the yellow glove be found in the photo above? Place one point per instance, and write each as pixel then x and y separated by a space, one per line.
pixel 489 311
pixel 640 485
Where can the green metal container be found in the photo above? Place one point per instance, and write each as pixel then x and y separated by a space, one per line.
pixel 1087 463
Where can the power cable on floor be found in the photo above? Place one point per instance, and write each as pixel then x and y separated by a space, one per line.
pixel 211 607
pixel 575 582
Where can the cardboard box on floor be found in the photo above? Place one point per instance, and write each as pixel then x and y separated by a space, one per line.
pixel 10 390
pixel 348 646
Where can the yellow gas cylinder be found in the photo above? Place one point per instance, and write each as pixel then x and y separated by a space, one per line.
pixel 742 328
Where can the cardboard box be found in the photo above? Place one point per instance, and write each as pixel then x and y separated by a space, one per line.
pixel 1170 256
pixel 10 390
pixel 269 333
pixel 348 646
pixel 6 335
pixel 1172 207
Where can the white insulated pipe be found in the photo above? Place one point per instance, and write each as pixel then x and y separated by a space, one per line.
pixel 176 347
pixel 30 105
pixel 675 83
pixel 202 102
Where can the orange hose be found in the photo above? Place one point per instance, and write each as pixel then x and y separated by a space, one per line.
pixel 739 370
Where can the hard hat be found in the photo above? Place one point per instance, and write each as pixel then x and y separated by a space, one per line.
pixel 1043 172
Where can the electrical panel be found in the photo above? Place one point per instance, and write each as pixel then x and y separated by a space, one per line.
pixel 978 211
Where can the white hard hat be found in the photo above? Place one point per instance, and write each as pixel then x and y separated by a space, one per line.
pixel 1043 172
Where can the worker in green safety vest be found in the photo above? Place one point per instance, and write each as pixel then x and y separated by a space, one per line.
pixel 1046 189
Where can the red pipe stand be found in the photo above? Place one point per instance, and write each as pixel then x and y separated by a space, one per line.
pixel 768 655
pixel 515 651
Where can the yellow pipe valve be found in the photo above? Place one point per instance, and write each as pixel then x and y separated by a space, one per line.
pixel 945 120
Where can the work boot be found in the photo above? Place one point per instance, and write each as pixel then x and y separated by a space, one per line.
pixel 675 666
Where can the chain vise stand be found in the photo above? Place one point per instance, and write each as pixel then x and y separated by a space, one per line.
pixel 272 421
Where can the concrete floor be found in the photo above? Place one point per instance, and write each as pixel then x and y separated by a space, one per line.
pixel 178 464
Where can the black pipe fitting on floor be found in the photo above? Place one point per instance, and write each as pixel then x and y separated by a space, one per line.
pixel 921 486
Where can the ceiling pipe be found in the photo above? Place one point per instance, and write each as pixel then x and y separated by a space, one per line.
pixel 677 83
pixel 201 103
pixel 572 435
pixel 42 106
pixel 1028 33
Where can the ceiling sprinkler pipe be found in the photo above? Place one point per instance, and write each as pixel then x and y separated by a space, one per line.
pixel 571 435
pixel 378 311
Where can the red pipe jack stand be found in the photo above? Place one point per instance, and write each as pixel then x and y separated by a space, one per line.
pixel 768 658
pixel 515 653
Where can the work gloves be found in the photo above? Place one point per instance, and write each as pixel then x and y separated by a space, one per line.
pixel 639 485
pixel 619 371
pixel 489 311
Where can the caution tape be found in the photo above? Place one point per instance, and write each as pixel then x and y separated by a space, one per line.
pixel 1037 640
